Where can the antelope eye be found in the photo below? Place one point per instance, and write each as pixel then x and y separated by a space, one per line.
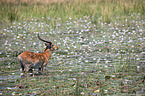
pixel 52 45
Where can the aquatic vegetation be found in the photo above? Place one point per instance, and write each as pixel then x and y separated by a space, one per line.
pixel 101 46
pixel 93 59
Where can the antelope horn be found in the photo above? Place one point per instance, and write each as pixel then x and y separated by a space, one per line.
pixel 43 39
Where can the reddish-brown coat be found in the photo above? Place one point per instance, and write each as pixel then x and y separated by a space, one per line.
pixel 30 60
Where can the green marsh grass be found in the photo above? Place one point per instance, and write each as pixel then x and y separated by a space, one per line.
pixel 101 47
pixel 107 10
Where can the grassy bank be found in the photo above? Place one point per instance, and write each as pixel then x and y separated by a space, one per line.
pixel 16 10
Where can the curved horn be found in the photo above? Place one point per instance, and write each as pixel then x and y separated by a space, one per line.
pixel 43 39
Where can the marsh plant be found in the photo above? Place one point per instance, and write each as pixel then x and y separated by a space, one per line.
pixel 99 53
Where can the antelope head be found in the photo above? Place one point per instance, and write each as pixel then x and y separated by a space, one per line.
pixel 48 44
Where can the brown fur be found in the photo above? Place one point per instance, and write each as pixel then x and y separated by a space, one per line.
pixel 30 60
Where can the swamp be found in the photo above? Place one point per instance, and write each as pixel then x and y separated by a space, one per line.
pixel 101 47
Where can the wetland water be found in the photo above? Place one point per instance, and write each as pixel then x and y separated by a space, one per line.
pixel 93 59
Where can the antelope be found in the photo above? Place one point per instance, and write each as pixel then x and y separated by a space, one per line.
pixel 30 60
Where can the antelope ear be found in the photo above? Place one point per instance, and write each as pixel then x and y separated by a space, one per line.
pixel 44 45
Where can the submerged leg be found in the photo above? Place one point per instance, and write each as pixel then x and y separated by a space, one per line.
pixel 40 68
pixel 30 70
pixel 21 64
pixel 22 67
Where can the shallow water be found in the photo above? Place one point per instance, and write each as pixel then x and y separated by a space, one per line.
pixel 93 59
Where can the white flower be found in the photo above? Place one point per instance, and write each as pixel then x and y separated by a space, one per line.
pixel 105 91
pixel 34 43
pixel 18 36
pixel 82 93
pixel 74 79
pixel 13 93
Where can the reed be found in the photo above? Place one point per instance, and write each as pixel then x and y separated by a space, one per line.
pixel 18 10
